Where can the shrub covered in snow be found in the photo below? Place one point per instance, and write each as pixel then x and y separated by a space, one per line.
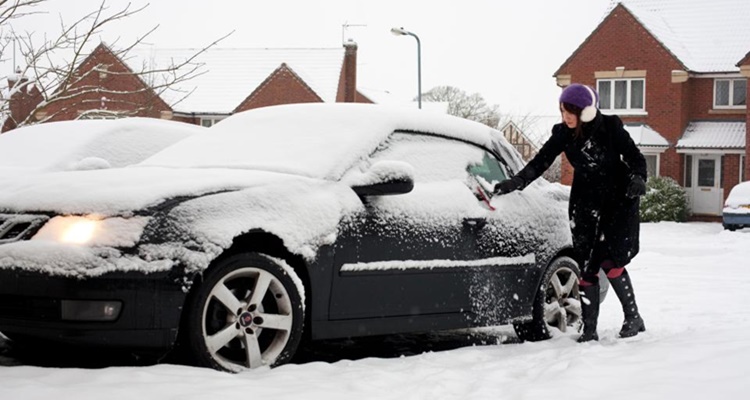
pixel 665 200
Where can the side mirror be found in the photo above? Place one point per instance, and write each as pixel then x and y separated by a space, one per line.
pixel 384 178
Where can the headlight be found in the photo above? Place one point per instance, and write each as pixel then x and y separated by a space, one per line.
pixel 93 230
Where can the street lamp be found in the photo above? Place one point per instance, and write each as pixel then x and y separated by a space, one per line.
pixel 399 32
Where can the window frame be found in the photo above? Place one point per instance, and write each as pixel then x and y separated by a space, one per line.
pixel 742 176
pixel 628 95
pixel 656 164
pixel 730 94
pixel 212 121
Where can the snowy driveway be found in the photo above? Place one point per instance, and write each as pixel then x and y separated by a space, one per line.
pixel 692 285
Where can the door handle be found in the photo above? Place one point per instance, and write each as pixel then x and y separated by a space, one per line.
pixel 476 223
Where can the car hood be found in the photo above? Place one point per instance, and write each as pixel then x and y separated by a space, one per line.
pixel 120 190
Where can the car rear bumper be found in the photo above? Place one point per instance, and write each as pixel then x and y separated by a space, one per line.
pixel 736 219
pixel 31 304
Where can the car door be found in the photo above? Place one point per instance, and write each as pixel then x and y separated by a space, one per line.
pixel 521 232
pixel 399 256
pixel 415 254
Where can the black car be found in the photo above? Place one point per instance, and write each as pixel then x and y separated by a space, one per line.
pixel 325 220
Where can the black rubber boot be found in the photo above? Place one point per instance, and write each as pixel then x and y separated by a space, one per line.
pixel 624 289
pixel 590 311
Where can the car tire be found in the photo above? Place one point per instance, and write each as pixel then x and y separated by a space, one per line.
pixel 730 227
pixel 230 328
pixel 557 304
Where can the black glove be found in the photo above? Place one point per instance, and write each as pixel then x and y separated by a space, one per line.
pixel 508 185
pixel 636 187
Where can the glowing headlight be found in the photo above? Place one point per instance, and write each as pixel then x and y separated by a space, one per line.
pixel 93 230
pixel 79 232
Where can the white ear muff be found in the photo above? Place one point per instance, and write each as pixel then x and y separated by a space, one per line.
pixel 589 112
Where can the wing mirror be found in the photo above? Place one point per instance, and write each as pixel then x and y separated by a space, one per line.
pixel 384 178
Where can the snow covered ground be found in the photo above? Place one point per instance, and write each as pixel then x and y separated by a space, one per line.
pixel 692 283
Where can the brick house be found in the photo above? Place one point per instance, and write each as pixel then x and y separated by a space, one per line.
pixel 515 136
pixel 676 72
pixel 101 86
pixel 227 81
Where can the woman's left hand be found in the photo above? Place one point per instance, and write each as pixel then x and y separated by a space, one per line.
pixel 637 187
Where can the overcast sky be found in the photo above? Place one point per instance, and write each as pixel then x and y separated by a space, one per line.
pixel 505 50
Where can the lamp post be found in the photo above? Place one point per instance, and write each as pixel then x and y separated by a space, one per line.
pixel 400 32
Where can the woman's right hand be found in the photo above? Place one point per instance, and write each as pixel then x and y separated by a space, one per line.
pixel 508 185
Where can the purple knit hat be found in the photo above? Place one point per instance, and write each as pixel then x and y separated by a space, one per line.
pixel 583 97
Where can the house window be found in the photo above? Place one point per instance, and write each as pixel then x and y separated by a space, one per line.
pixel 622 95
pixel 730 93
pixel 652 164
pixel 688 170
pixel 210 121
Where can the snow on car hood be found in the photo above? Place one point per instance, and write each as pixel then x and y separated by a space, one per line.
pixel 117 191
pixel 303 212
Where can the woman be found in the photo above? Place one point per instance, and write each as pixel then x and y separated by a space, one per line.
pixel 609 178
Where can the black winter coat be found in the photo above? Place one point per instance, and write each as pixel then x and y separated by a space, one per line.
pixel 604 158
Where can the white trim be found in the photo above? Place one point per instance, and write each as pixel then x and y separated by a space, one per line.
pixel 435 264
pixel 716 75
pixel 653 149
pixel 634 113
pixel 710 151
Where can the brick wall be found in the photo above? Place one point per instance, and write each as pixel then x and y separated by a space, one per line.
pixel 283 86
pixel 731 172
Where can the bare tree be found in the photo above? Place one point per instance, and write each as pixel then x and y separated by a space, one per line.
pixel 52 70
pixel 463 105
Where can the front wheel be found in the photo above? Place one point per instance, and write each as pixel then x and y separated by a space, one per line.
pixel 557 304
pixel 247 313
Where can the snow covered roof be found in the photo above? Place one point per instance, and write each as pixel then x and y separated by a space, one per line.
pixel 229 75
pixel 713 135
pixel 706 36
pixel 644 136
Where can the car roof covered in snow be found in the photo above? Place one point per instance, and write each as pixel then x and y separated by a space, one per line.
pixel 317 140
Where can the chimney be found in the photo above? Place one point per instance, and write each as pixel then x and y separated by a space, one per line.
pixel 350 72
pixel 22 101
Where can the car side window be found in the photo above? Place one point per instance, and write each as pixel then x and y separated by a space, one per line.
pixel 433 158
pixel 489 169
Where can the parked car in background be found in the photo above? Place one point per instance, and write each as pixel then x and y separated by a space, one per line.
pixel 87 144
pixel 736 213
pixel 324 220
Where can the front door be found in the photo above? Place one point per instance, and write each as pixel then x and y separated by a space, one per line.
pixel 706 193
